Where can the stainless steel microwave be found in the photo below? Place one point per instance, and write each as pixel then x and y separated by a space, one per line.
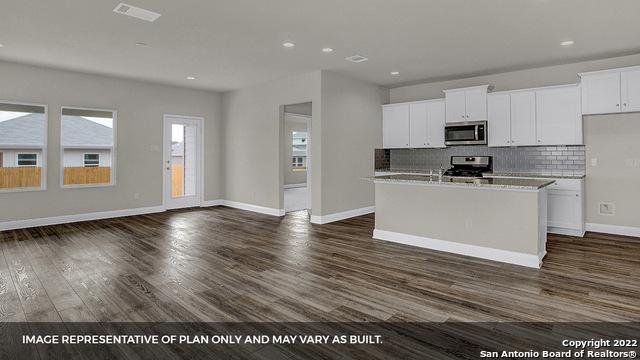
pixel 466 133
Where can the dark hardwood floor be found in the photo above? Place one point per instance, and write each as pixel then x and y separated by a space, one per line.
pixel 222 264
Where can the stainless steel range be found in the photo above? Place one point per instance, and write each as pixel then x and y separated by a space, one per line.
pixel 470 166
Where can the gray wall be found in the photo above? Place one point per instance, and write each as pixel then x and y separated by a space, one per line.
pixel 615 141
pixel 608 136
pixel 290 176
pixel 351 130
pixel 140 108
pixel 253 168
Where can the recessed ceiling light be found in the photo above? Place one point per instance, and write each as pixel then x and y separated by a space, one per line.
pixel 288 44
pixel 395 73
pixel 327 50
pixel 356 58
pixel 191 78
pixel 140 43
pixel 1 45
pixel 567 43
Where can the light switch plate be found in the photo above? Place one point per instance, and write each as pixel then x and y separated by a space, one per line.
pixel 594 161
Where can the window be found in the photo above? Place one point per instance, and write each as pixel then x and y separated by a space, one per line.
pixel 27 159
pixel 23 134
pixel 299 150
pixel 91 160
pixel 88 147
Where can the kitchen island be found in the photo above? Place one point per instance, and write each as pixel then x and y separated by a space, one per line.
pixel 491 218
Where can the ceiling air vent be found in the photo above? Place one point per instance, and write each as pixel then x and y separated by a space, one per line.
pixel 356 58
pixel 136 12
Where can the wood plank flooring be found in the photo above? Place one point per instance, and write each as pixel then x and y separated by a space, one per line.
pixel 222 264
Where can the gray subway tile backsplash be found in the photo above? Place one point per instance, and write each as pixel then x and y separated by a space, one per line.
pixel 565 160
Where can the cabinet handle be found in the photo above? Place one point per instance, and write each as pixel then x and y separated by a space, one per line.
pixel 539 140
pixel 624 104
pixel 618 105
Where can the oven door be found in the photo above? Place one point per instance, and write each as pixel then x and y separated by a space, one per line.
pixel 470 133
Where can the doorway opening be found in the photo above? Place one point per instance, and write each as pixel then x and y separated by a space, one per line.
pixel 182 161
pixel 297 157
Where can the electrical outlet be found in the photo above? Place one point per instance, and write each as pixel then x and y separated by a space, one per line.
pixel 468 223
pixel 594 161
pixel 607 208
pixel 632 163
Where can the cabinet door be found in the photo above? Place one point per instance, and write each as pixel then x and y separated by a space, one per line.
pixel 564 209
pixel 435 121
pixel 418 125
pixel 631 90
pixel 395 126
pixel 476 104
pixel 559 121
pixel 499 121
pixel 600 93
pixel 455 106
pixel 523 118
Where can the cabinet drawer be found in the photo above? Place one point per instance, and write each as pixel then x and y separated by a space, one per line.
pixel 566 184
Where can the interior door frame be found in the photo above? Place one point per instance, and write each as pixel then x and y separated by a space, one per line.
pixel 304 119
pixel 166 139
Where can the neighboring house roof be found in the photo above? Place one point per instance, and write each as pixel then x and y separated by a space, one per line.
pixel 23 130
pixel 77 130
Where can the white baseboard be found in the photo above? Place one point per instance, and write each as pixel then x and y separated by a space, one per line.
pixel 511 257
pixel 55 220
pixel 254 208
pixel 325 219
pixel 614 229
pixel 208 203
pixel 564 231
pixel 291 186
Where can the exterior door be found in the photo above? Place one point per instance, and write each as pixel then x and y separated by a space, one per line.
pixel 182 162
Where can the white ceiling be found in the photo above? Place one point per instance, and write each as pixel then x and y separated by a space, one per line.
pixel 235 43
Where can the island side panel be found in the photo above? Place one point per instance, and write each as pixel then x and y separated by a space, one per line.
pixel 501 219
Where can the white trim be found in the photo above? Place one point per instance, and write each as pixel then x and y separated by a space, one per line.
pixel 65 219
pixel 325 219
pixel 565 231
pixel 291 186
pixel 511 257
pixel 209 203
pixel 254 208
pixel 185 119
pixel 614 229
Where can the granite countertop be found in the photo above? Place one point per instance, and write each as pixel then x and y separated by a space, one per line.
pixel 524 174
pixel 494 183
pixel 534 174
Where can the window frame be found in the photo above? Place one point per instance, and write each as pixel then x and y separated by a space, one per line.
pixel 112 148
pixel 26 153
pixel 84 159
pixel 43 150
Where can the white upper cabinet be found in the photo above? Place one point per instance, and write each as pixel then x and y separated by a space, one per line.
pixel 476 103
pixel 456 106
pixel 559 121
pixel 611 91
pixel 467 104
pixel 601 93
pixel 413 125
pixel 418 125
pixel 630 90
pixel 523 118
pixel 395 126
pixel 512 118
pixel 436 116
pixel 499 122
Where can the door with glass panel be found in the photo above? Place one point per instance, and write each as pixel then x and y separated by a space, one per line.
pixel 182 162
